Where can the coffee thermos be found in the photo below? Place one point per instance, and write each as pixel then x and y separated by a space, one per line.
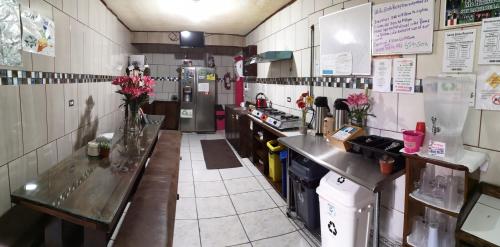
pixel 322 110
pixel 341 113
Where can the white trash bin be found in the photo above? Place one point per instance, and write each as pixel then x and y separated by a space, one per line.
pixel 345 212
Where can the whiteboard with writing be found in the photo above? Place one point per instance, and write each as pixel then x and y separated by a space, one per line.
pixel 403 27
pixel 346 32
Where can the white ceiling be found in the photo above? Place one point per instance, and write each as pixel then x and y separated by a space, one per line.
pixel 211 16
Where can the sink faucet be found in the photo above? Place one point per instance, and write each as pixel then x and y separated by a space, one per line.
pixel 435 129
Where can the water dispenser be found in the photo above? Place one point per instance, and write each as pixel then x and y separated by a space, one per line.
pixel 446 106
pixel 187 94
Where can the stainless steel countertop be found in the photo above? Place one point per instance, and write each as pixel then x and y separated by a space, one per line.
pixel 354 167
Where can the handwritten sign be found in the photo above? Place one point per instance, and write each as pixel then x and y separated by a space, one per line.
pixel 403 27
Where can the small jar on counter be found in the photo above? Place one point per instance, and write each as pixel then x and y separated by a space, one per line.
pixel 93 149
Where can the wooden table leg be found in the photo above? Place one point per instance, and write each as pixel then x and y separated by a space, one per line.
pixel 59 233
pixel 95 238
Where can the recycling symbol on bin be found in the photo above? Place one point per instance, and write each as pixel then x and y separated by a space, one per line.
pixel 331 228
pixel 341 180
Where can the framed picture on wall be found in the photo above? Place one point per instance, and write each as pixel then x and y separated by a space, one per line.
pixel 458 12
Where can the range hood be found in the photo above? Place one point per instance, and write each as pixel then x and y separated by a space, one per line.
pixel 270 56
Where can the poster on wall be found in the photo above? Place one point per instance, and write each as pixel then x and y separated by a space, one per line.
pixel 10 30
pixel 488 88
pixel 404 70
pixel 470 11
pixel 382 72
pixel 459 47
pixel 403 27
pixel 38 33
pixel 489 49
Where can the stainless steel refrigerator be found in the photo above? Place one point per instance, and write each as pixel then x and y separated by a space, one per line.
pixel 198 96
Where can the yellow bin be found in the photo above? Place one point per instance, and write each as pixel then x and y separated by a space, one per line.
pixel 274 160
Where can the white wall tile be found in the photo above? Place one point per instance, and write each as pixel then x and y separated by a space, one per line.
pixel 302 35
pixel 385 108
pixel 295 11
pixel 77 47
pixel 410 110
pixel 285 17
pixel 11 142
pixel 70 7
pixel 22 170
pixel 63 37
pixel 64 147
pixel 472 127
pixel 71 113
pixel 321 4
pixel 490 130
pixel 306 62
pixel 34 116
pixel 333 94
pixel 83 11
pixel 55 111
pixel 4 190
pixel 333 9
pixel 307 7
pixel 47 157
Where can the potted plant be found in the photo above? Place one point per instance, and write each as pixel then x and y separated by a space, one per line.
pixel 386 164
pixel 359 106
pixel 304 103
pixel 104 149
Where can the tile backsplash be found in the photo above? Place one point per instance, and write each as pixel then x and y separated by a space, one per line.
pixel 51 106
pixel 395 112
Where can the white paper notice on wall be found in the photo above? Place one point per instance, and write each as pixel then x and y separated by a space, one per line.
pixel 382 72
pixel 488 88
pixel 203 87
pixel 459 47
pixel 336 64
pixel 404 70
pixel 403 27
pixel 489 50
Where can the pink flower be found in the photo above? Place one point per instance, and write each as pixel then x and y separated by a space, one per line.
pixel 356 100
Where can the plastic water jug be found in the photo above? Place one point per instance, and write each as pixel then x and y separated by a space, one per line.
pixel 446 106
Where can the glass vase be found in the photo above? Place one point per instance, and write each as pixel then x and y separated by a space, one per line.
pixel 132 120
pixel 359 122
pixel 303 123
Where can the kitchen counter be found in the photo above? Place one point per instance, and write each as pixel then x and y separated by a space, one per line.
pixel 354 167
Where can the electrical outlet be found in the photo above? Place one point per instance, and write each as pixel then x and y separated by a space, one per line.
pixel 71 103
pixel 288 99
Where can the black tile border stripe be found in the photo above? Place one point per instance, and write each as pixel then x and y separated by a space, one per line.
pixel 24 77
pixel 335 82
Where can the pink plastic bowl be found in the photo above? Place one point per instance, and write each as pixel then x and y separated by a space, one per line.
pixel 412 140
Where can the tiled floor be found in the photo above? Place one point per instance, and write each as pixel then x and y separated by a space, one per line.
pixel 229 207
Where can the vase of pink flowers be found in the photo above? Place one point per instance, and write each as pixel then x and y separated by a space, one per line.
pixel 359 107
pixel 304 103
pixel 136 90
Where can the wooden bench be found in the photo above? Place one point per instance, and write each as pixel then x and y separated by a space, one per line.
pixel 151 216
pixel 22 227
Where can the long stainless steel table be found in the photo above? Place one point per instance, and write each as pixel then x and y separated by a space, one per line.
pixel 351 166
pixel 90 192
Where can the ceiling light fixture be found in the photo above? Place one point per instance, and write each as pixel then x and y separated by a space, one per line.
pixel 196 11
